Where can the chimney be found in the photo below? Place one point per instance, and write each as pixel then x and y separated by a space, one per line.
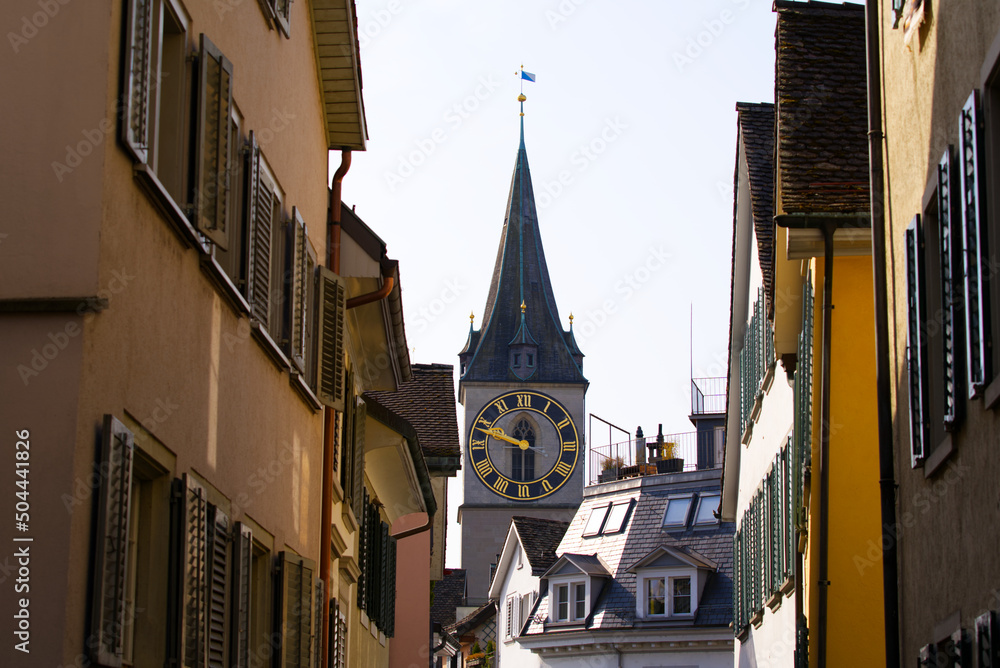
pixel 640 446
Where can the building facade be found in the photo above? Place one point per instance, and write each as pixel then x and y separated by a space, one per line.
pixel 191 319
pixel 522 387
pixel 940 66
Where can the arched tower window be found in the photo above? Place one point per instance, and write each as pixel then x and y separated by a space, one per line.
pixel 523 461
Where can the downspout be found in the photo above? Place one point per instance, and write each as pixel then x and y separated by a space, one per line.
pixel 883 390
pixel 374 296
pixel 823 583
pixel 330 415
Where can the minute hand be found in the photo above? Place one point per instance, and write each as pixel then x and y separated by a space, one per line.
pixel 497 432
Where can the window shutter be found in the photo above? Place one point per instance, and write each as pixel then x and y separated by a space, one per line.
pixel 927 657
pixel 973 198
pixel 390 617
pixel 282 15
pixel 194 544
pixel 242 558
pixel 331 296
pixel 915 342
pixel 138 44
pixel 295 600
pixel 260 208
pixel 111 558
pixel 383 566
pixel 986 634
pixel 298 288
pixel 317 623
pixel 363 552
pixel 218 588
pixel 211 161
pixel 358 474
pixel 950 284
pixel 509 617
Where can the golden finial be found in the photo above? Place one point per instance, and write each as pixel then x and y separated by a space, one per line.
pixel 472 317
pixel 571 320
pixel 521 98
pixel 523 307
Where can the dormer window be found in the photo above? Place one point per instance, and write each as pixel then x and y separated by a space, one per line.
pixel 531 360
pixel 608 519
pixel 676 514
pixel 669 581
pixel 575 582
pixel 668 596
pixel 571 602
pixel 517 360
pixel 707 505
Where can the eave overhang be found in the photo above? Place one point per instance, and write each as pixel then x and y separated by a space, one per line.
pixel 338 66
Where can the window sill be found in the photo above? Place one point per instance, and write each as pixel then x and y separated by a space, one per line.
pixel 743 633
pixel 747 433
pixel 991 396
pixel 757 618
pixel 296 380
pixel 775 601
pixel 788 586
pixel 167 206
pixel 269 346
pixel 939 456
pixel 225 285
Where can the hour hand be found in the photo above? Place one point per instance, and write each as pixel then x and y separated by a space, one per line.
pixel 497 432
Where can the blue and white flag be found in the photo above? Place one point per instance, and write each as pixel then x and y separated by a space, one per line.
pixel 527 76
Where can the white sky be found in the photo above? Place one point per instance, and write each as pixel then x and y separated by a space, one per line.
pixel 634 108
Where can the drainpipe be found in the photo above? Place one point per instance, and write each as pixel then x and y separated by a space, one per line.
pixel 883 391
pixel 374 296
pixel 824 440
pixel 330 415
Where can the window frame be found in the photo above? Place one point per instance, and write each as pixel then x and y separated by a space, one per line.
pixel 696 515
pixel 668 576
pixel 568 584
pixel 689 498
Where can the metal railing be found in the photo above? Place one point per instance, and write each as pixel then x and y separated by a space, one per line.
pixel 708 395
pixel 617 461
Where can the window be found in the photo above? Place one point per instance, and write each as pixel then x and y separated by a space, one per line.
pixel 580 600
pixel 296 623
pixel 517 359
pixel 656 601
pixel 531 360
pixel 523 461
pixel 707 504
pixel 562 603
pixel 666 594
pixel 377 582
pixel 570 602
pixel 596 520
pixel 278 14
pixel 680 599
pixel 338 636
pixel 676 514
pixel 261 623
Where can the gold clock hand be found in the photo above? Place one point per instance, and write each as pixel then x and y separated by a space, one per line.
pixel 497 432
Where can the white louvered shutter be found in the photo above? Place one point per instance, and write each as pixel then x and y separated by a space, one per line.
pixel 111 557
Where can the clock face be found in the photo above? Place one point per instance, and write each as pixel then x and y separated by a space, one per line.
pixel 523 445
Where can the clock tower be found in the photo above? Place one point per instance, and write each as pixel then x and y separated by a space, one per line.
pixel 523 389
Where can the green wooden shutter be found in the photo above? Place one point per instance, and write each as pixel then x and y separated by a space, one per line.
pixel 331 298
pixel 950 261
pixel 915 345
pixel 194 549
pixel 358 466
pixel 240 628
pixel 362 552
pixel 111 554
pixel 974 234
pixel 218 581
pixel 214 132
pixel 137 60
pixel 260 208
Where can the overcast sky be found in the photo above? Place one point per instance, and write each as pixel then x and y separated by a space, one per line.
pixel 630 130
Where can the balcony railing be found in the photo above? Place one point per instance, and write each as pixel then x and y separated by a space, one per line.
pixel 618 460
pixel 708 395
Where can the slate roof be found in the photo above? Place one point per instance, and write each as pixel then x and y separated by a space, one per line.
pixel 520 275
pixel 756 132
pixel 475 618
pixel 427 401
pixel 447 595
pixel 821 95
pixel 539 538
pixel 615 607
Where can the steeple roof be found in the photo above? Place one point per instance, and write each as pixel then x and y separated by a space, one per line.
pixel 520 276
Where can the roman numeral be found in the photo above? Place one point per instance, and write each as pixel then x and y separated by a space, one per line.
pixel 563 468
pixel 483 422
pixel 500 485
pixel 479 445
pixel 524 401
pixel 483 467
pixel 522 491
pixel 569 446
pixel 547 404
pixel 501 406
pixel 562 424
pixel 546 486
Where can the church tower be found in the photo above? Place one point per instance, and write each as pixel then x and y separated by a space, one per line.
pixel 523 389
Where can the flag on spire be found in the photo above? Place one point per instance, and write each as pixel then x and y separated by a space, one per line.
pixel 527 76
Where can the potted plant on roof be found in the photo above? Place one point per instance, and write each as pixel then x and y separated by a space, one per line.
pixel 476 657
pixel 610 468
pixel 669 462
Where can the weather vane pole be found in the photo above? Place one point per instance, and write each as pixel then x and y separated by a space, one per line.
pixel 525 76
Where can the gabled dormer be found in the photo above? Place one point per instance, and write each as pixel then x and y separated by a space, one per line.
pixel 669 583
pixel 574 582
pixel 523 350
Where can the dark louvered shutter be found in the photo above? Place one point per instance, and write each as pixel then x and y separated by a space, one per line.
pixel 242 560
pixel 194 551
pixel 296 610
pixel 915 346
pixel 363 552
pixel 260 209
pixel 331 296
pixel 390 617
pixel 950 243
pixel 214 132
pixel 974 235
pixel 927 658
pixel 111 557
pixel 986 640
pixel 138 43
pixel 383 602
pixel 358 475
pixel 319 600
pixel 218 589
